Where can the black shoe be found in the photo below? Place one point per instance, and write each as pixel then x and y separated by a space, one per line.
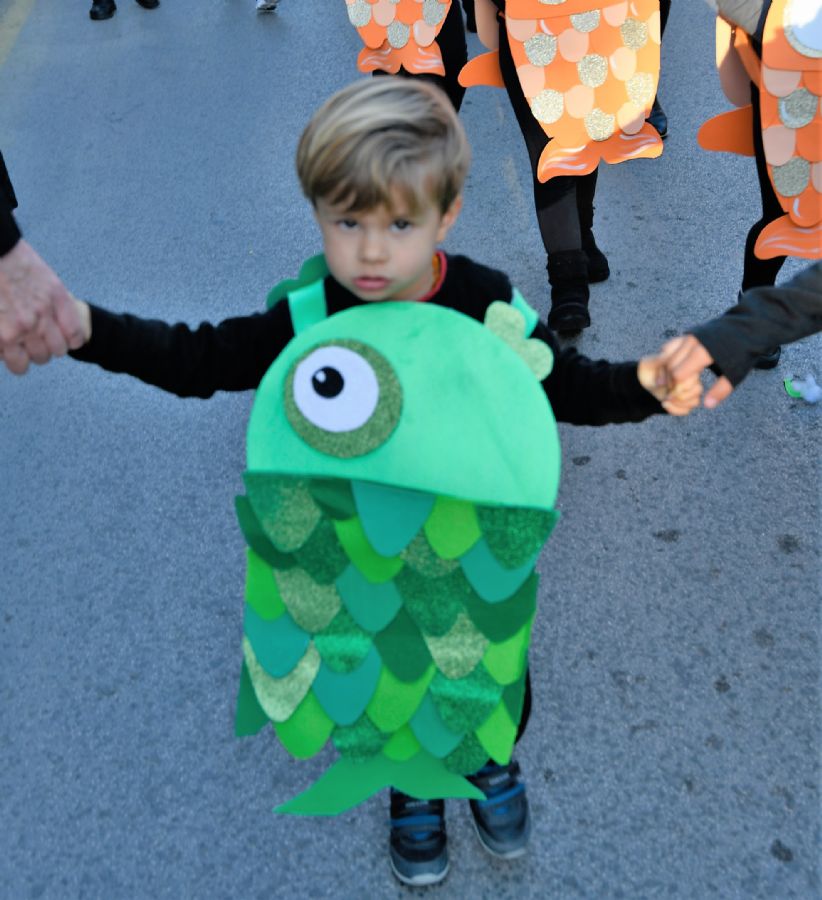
pixel 149 4
pixel 102 9
pixel 418 847
pixel 568 274
pixel 658 119
pixel 502 821
pixel 769 360
pixel 598 269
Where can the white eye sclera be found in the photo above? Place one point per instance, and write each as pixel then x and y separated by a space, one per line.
pixel 336 389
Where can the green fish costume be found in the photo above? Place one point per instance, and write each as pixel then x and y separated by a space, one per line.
pixel 403 465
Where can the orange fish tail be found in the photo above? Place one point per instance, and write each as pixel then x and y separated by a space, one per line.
pixel 620 147
pixel 729 132
pixel 783 238
pixel 383 59
pixel 422 60
pixel 482 70
pixel 558 160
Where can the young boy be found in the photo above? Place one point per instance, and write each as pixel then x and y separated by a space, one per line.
pixel 383 164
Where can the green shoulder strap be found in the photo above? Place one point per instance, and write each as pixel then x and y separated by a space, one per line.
pixel 531 315
pixel 305 294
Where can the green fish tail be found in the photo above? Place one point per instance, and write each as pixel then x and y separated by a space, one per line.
pixel 349 782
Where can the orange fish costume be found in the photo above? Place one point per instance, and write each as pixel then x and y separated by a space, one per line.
pixel 589 72
pixel 399 34
pixel 789 79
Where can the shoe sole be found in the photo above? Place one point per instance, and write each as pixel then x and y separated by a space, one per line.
pixel 423 880
pixel 516 853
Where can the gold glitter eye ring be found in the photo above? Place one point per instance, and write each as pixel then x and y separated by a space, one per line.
pixel 343 398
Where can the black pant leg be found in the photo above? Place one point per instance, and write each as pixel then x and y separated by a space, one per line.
pixel 758 272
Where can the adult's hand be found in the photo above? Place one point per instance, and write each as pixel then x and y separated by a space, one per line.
pixel 38 318
pixel 684 357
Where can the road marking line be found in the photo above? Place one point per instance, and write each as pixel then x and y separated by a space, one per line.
pixel 11 22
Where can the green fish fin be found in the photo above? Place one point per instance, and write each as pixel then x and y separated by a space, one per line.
pixel 250 716
pixel 312 269
pixel 348 783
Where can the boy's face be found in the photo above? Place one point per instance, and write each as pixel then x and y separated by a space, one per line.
pixel 382 253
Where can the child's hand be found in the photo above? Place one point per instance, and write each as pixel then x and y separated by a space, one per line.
pixel 677 398
pixel 84 313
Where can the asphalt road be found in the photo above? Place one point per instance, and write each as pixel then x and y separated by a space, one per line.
pixel 674 749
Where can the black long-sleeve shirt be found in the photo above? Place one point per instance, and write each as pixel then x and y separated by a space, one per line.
pixel 235 354
pixel 764 318
pixel 9 232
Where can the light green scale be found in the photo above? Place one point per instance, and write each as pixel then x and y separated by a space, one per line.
pixel 403 465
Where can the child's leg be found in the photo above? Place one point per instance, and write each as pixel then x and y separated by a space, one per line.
pixel 555 202
pixel 502 821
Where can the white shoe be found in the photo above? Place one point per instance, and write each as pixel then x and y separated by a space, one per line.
pixel 266 5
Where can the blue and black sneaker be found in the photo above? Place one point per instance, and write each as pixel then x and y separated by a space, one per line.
pixel 502 820
pixel 418 848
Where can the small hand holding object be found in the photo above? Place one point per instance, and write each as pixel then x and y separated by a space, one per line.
pixel 684 357
pixel 677 398
pixel 38 319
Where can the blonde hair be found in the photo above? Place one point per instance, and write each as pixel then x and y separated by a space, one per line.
pixel 383 136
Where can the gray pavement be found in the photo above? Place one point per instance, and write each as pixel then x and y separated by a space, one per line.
pixel 674 749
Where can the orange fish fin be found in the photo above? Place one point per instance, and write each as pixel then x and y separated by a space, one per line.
pixel 558 160
pixel 422 60
pixel 729 132
pixel 783 238
pixel 620 147
pixel 384 59
pixel 482 70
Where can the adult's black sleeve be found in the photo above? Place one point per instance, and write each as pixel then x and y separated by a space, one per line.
pixel 584 391
pixel 9 232
pixel 764 318
pixel 190 362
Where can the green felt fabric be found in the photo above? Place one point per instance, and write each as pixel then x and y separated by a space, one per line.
pixel 343 645
pixel 457 653
pixel 308 729
pixel 312 606
pixel 261 590
pixel 322 556
pixel 395 701
pixel 279 697
pixel 402 745
pixel 529 314
pixel 497 735
pixel 313 269
pixel 500 621
pixel 249 717
pixel 284 508
pixel 377 428
pixel 468 758
pixel 362 740
pixel 431 731
pixel 307 305
pixel 372 565
pixel 372 606
pixel 488 578
pixel 403 649
pixel 508 323
pixel 464 704
pixel 419 555
pixel 334 497
pixel 345 697
pixel 506 660
pixel 349 782
pixel 452 528
pixel 390 517
pixel 495 414
pixel 433 603
pixel 256 539
pixel 278 645
pixel 515 535
pixel 513 697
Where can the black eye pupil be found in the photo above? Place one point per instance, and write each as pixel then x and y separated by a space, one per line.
pixel 327 382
